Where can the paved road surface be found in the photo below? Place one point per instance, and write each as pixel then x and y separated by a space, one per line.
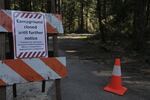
pixel 87 78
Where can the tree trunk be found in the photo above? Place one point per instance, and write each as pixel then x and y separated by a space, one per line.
pixel 104 34
pixel 99 13
pixel 147 12
pixel 101 27
pixel 59 6
pixel 139 24
pixel 2 4
pixel 104 9
pixel 7 4
pixel 82 16
pixel 53 6
pixel 87 18
pixel 48 9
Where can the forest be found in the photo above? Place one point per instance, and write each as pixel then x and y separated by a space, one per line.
pixel 102 39
pixel 114 22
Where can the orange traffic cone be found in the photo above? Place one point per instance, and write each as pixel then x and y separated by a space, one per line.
pixel 115 85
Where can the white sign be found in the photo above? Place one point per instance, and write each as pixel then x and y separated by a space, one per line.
pixel 30 35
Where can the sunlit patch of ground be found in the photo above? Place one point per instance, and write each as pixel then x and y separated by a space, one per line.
pixel 75 36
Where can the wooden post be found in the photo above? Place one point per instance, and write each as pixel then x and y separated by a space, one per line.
pixel 55 45
pixel 2 53
pixel 2 57
pixel 55 48
pixel 57 81
pixel 2 47
pixel 58 89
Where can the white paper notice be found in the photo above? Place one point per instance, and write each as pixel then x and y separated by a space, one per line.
pixel 30 35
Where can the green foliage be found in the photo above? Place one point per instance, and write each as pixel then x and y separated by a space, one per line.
pixel 116 14
pixel 29 5
pixel 108 18
pixel 72 15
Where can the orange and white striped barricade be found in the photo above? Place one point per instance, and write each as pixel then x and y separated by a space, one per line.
pixel 30 70
pixel 53 21
pixel 35 67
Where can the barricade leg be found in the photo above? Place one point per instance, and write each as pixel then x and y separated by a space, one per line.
pixel 58 89
pixel 2 57
pixel 57 81
pixel 3 93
